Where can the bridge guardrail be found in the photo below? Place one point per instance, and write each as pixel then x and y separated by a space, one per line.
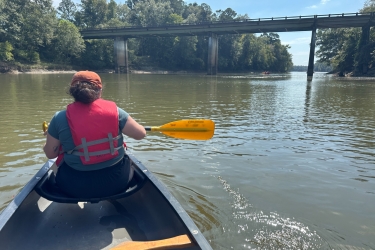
pixel 371 14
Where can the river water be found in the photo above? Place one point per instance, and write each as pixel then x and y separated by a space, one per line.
pixel 291 164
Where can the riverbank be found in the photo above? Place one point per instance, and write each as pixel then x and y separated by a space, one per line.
pixel 17 68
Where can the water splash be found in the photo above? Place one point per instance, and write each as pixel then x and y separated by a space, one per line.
pixel 268 231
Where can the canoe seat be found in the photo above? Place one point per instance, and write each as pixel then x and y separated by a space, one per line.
pixel 51 192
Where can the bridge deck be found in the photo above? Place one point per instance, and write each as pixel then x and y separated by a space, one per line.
pixel 278 24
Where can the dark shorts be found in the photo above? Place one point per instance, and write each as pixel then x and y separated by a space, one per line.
pixel 98 183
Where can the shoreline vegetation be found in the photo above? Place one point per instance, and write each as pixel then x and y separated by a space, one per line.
pixel 36 36
pixel 17 68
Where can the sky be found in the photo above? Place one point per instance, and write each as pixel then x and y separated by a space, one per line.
pixel 298 41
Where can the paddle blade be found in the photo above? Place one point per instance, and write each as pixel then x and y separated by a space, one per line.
pixel 190 135
pixel 196 125
pixel 195 129
pixel 181 241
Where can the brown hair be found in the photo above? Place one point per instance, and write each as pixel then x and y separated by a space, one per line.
pixel 85 86
pixel 84 92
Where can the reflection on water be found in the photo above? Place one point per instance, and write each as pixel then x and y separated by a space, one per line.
pixel 290 166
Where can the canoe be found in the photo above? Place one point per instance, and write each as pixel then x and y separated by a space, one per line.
pixel 146 216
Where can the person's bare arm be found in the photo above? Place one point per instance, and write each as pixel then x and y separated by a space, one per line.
pixel 51 148
pixel 133 129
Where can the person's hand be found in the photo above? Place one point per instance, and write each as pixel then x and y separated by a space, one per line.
pixel 45 128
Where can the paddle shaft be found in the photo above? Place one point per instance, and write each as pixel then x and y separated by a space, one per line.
pixel 194 129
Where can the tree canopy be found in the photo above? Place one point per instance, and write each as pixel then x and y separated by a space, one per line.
pixel 345 49
pixel 33 30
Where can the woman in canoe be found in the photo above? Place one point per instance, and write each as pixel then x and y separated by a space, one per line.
pixel 87 139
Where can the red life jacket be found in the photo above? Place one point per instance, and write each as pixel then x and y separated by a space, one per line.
pixel 95 130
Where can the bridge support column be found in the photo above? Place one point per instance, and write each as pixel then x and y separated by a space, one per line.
pixel 212 61
pixel 121 55
pixel 310 67
pixel 364 53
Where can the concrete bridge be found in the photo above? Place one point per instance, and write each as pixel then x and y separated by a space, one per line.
pixel 214 29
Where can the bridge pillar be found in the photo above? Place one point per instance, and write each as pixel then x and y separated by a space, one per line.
pixel 121 55
pixel 364 53
pixel 212 61
pixel 310 67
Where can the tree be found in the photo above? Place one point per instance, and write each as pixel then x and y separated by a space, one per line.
pixel 226 15
pixel 67 10
pixel 174 19
pixel 344 49
pixel 11 23
pixel 6 52
pixel 123 13
pixel 68 42
pixel 131 3
pixel 92 13
pixel 338 47
pixel 112 10
pixel 369 6
pixel 202 13
pixel 280 59
pixel 97 55
pixel 329 43
pixel 39 22
pixel 229 52
pixel 151 13
pixel 344 60
pixel 177 6
pixel 3 19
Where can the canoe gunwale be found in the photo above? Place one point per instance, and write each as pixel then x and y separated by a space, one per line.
pixel 7 213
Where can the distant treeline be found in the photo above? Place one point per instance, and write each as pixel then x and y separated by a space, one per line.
pixel 318 67
pixel 33 31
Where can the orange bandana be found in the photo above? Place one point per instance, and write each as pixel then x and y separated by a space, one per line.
pixel 87 76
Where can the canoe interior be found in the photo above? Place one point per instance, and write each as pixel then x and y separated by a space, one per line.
pixel 143 216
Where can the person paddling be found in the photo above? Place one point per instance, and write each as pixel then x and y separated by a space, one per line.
pixel 87 138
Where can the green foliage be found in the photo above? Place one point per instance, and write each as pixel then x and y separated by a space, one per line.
pixel 151 13
pixel 11 15
pixel 3 18
pixel 97 55
pixel 264 53
pixel 174 19
pixel 226 15
pixel 111 11
pixel 26 56
pixel 342 49
pixel 39 22
pixel 67 43
pixel 348 50
pixel 6 52
pixel 37 32
pixel 92 14
pixel 369 6
pixel 67 10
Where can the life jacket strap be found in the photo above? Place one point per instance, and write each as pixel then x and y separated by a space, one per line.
pixel 85 145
